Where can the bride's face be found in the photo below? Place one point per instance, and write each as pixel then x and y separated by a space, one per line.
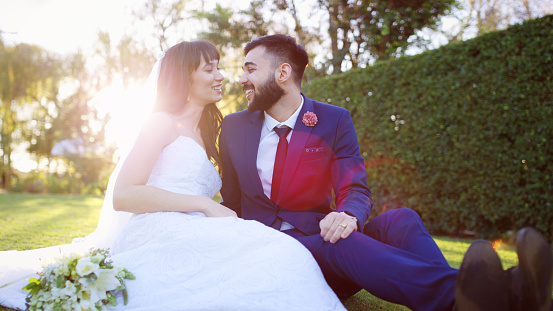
pixel 205 83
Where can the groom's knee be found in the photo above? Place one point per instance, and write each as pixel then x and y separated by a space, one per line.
pixel 390 221
pixel 406 215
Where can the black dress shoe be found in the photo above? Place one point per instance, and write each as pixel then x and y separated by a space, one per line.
pixel 532 279
pixel 481 282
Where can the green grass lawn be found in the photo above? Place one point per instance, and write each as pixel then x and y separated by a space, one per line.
pixel 29 221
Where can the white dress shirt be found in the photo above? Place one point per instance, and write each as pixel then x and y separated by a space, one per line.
pixel 266 153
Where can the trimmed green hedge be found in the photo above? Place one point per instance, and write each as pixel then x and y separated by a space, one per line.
pixel 462 134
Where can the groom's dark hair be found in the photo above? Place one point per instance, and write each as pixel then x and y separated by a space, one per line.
pixel 284 49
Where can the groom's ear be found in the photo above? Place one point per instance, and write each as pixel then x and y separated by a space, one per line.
pixel 283 73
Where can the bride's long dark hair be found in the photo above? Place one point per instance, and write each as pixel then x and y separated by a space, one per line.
pixel 173 85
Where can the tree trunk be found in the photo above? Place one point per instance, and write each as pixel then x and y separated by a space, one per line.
pixel 6 141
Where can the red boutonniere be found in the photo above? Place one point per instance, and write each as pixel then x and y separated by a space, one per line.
pixel 309 119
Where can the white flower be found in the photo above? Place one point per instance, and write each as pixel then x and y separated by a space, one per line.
pixel 85 305
pixel 120 270
pixel 85 266
pixel 96 290
pixel 107 280
pixel 69 289
pixel 97 258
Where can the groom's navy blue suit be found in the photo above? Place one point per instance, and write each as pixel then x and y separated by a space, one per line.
pixel 393 257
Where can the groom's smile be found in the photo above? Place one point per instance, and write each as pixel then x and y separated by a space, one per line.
pixel 249 89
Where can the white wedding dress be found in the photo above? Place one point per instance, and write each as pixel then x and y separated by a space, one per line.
pixel 187 261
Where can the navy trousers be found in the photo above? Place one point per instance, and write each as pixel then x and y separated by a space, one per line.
pixel 394 258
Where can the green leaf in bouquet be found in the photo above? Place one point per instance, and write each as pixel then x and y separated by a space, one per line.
pixel 129 275
pixel 60 281
pixel 125 296
pixel 112 300
pixel 33 284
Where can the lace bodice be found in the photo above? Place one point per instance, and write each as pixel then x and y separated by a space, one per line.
pixel 183 167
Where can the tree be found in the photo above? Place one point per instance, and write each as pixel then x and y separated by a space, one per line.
pixel 165 18
pixel 230 30
pixel 35 113
pixel 529 9
pixel 127 60
pixel 29 74
pixel 80 121
pixel 304 34
pixel 135 61
pixel 476 17
pixel 360 31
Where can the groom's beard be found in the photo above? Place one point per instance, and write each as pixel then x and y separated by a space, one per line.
pixel 266 95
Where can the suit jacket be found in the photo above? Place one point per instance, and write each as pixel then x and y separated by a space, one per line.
pixel 320 159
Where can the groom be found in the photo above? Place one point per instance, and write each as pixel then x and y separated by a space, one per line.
pixel 287 158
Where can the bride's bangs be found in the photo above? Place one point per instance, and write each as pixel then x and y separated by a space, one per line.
pixel 209 51
pixel 199 50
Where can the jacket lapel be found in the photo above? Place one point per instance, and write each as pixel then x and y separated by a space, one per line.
pixel 253 134
pixel 295 148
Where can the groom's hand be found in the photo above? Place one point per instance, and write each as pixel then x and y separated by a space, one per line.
pixel 337 226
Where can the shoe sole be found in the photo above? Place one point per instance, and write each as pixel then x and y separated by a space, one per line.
pixel 481 283
pixel 536 264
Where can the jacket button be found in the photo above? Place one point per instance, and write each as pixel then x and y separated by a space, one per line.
pixel 277 209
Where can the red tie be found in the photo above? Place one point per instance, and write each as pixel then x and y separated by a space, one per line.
pixel 280 159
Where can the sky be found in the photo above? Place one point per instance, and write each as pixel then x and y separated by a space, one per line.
pixel 62 26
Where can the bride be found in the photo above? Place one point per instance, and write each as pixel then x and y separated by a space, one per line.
pixel 187 251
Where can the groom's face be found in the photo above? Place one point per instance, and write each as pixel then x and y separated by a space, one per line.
pixel 258 80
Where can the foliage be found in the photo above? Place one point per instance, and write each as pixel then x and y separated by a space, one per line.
pixel 461 134
pixel 233 29
pixel 36 114
pixel 365 30
pixel 28 74
pixel 359 31
pixel 128 61
pixel 163 18
pixel 83 176
pixel 230 30
pixel 476 17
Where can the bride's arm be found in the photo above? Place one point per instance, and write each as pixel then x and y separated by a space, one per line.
pixel 131 193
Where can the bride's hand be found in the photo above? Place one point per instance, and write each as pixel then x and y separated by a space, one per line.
pixel 214 209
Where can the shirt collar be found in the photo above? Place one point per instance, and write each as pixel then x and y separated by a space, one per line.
pixel 270 122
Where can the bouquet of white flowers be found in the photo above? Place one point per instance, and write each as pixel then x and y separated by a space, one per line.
pixel 79 282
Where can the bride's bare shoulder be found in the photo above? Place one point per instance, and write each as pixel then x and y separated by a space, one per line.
pixel 160 118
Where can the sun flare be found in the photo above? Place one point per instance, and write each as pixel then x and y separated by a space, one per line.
pixel 497 244
pixel 128 109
